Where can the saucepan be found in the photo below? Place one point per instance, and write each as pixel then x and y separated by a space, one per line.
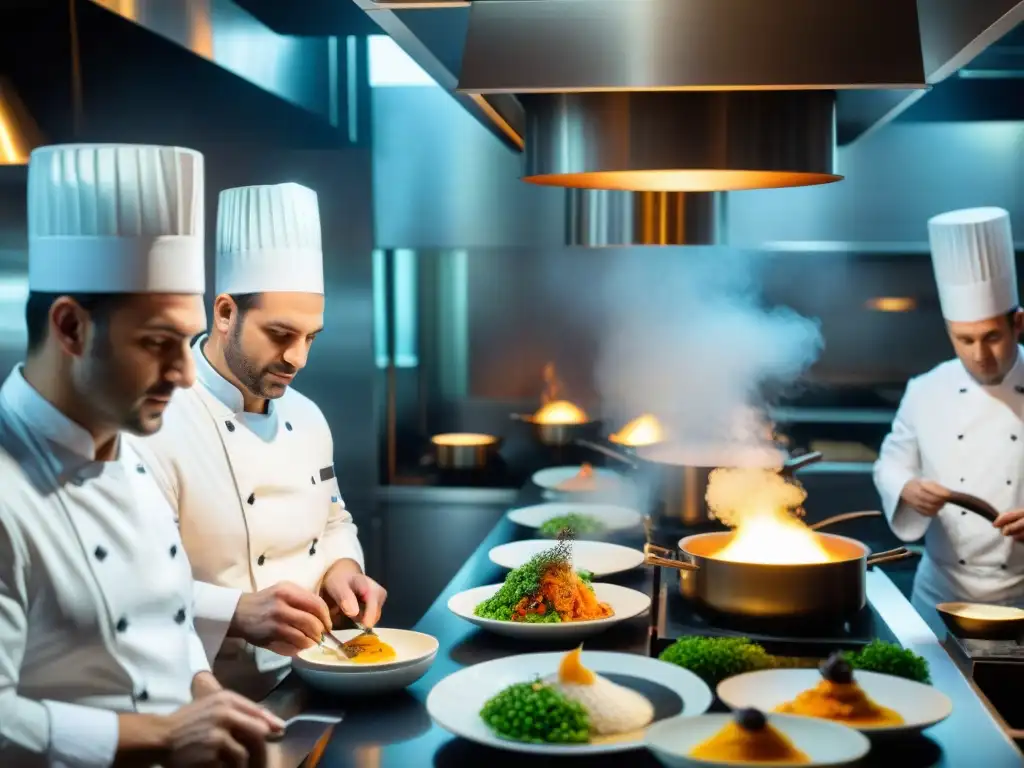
pixel 680 475
pixel 829 592
pixel 559 434
pixel 464 450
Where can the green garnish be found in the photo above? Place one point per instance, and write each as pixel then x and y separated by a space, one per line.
pixel 579 524
pixel 524 581
pixel 713 659
pixel 890 659
pixel 536 713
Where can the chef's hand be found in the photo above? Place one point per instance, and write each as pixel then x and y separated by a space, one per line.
pixel 347 586
pixel 1011 524
pixel 224 729
pixel 925 496
pixel 205 684
pixel 284 618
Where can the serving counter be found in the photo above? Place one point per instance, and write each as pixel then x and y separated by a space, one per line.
pixel 396 732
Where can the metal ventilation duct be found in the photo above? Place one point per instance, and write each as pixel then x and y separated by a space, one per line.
pixel 604 218
pixel 685 95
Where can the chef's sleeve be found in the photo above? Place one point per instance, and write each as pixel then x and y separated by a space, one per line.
pixel 214 608
pixel 341 537
pixel 66 735
pixel 899 462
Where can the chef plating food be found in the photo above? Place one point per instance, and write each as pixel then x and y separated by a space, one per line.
pixel 248 462
pixel 959 427
pixel 99 659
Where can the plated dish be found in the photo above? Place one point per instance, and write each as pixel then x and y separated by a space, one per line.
pixel 751 737
pixel 547 596
pixel 867 701
pixel 375 672
pixel 595 557
pixel 582 478
pixel 585 520
pixel 586 702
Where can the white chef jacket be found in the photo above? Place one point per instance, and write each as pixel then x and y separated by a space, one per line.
pixel 258 503
pixel 969 438
pixel 96 595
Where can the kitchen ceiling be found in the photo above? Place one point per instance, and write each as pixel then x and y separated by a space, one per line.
pixel 953 34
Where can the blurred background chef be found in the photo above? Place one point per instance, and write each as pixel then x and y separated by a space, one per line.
pixel 248 461
pixel 960 428
pixel 98 655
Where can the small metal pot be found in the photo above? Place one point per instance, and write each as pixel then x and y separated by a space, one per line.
pixel 680 488
pixel 559 435
pixel 828 592
pixel 1006 623
pixel 464 450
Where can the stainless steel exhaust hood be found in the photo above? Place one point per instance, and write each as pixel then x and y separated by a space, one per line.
pixel 598 218
pixel 686 95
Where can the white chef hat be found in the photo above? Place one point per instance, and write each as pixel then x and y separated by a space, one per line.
pixel 268 239
pixel 115 218
pixel 973 258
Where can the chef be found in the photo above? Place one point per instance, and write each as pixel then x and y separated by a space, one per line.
pixel 99 660
pixel 960 427
pixel 248 462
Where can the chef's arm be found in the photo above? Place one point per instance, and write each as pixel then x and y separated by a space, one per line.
pixel 899 462
pixel 214 610
pixel 341 537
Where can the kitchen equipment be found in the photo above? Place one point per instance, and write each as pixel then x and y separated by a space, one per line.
pixel 981 621
pixel 974 504
pixel 329 641
pixel 559 434
pixel 680 476
pixel 829 591
pixel 464 450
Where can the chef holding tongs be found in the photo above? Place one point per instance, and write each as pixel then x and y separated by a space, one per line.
pixel 960 427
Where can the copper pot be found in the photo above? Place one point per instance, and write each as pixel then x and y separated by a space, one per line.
pixel 681 487
pixel 832 591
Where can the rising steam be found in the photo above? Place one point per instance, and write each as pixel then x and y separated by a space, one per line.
pixel 686 337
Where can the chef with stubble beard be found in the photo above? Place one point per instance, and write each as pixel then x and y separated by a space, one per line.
pixel 960 426
pixel 248 462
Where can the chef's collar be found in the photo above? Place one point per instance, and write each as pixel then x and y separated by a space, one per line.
pixel 222 389
pixel 41 417
pixel 1012 382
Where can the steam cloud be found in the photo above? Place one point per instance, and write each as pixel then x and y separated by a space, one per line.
pixel 687 338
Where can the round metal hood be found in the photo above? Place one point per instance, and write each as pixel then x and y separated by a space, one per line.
pixel 606 218
pixel 680 141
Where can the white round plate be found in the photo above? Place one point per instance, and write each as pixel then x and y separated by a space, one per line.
pixel 626 603
pixel 824 742
pixel 416 652
pixel 920 705
pixel 549 479
pixel 455 702
pixel 599 557
pixel 613 518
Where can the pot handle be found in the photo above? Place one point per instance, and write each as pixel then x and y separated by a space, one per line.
pixel 664 562
pixel 521 417
pixel 843 518
pixel 974 504
pixel 606 451
pixel 792 465
pixel 889 556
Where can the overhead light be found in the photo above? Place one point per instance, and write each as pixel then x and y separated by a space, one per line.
pixel 892 304
pixel 607 218
pixel 686 95
pixel 19 134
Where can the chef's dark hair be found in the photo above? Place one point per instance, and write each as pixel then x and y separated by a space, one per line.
pixel 245 301
pixel 37 312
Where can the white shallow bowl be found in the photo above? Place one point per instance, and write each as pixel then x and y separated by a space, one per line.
pixel 920 705
pixel 825 743
pixel 416 652
pixel 549 479
pixel 626 603
pixel 455 702
pixel 599 557
pixel 612 517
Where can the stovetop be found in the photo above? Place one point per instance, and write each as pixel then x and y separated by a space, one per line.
pixel 987 650
pixel 676 617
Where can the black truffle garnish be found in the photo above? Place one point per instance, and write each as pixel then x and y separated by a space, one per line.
pixel 836 669
pixel 751 719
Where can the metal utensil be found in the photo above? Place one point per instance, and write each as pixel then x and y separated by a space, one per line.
pixel 363 628
pixel 335 645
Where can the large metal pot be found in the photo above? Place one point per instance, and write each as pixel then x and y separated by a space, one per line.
pixel 828 592
pixel 680 480
pixel 559 435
